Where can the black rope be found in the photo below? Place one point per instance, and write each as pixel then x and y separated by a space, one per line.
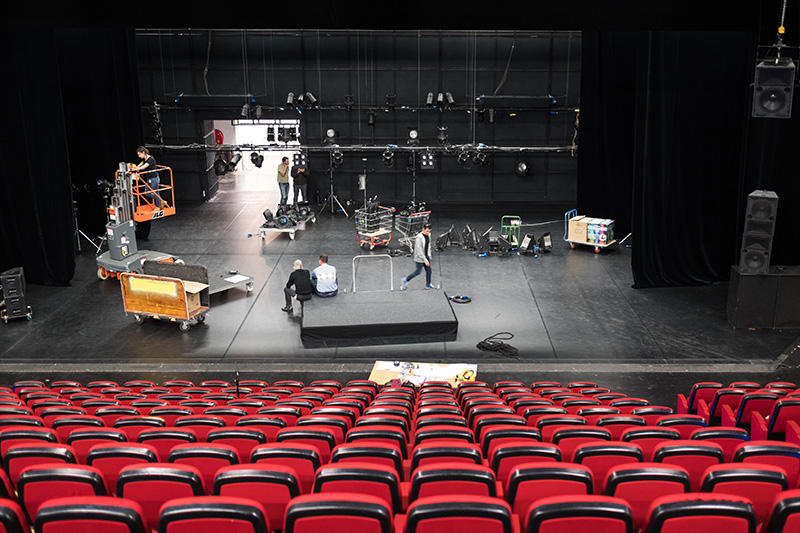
pixel 494 343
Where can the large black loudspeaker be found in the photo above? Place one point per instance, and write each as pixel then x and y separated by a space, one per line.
pixel 773 87
pixel 13 282
pixel 759 227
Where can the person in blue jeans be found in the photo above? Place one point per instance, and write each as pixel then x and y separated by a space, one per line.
pixel 324 279
pixel 150 175
pixel 422 258
pixel 283 180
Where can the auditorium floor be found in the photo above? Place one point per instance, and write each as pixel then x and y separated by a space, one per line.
pixel 572 313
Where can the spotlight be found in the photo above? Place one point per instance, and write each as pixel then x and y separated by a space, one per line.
pixel 463 158
pixel 388 158
pixel 413 137
pixel 220 167
pixel 286 135
pixel 337 158
pixel 479 158
pixel 427 160
pixel 330 136
pixel 480 115
pixel 442 137
pixel 235 160
pixel 245 110
pixel 391 101
pixel 310 100
pixel 491 116
pixel 300 100
pixel 545 242
pixel 290 99
pixel 522 168
pixel 258 112
pixel 370 119
pixel 440 100
pixel 257 159
pixel 300 159
pixel 450 101
pixel 429 100
pixel 348 101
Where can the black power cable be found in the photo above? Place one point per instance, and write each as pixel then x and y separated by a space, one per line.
pixel 460 299
pixel 493 343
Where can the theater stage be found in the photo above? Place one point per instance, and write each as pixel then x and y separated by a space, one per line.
pixel 379 317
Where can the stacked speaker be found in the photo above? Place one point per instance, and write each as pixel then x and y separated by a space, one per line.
pixel 13 282
pixel 773 88
pixel 759 227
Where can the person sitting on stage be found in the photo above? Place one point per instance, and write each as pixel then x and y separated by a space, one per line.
pixel 324 279
pixel 301 279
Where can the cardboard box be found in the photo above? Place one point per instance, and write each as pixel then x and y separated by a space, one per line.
pixel 577 229
pixel 193 289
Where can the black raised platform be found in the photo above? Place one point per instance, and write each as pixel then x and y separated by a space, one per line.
pixel 379 317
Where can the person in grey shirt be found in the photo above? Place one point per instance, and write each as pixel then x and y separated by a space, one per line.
pixel 324 279
pixel 422 258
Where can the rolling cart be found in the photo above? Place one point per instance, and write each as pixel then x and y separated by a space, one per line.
pixel 158 297
pixel 409 225
pixel 575 232
pixel 374 228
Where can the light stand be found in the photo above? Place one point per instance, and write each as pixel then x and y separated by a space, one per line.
pixel 362 180
pixel 78 231
pixel 412 167
pixel 331 198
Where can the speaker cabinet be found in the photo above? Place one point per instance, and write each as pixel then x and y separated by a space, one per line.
pixel 759 227
pixel 773 88
pixel 765 301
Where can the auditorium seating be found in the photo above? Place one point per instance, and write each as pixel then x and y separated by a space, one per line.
pixel 474 457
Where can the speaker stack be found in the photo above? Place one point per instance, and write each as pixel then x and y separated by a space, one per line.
pixel 760 295
pixel 13 282
pixel 773 88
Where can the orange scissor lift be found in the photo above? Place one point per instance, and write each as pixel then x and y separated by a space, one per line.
pixel 131 202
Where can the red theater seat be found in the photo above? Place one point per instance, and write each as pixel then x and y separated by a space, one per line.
pixel 12 517
pixel 780 454
pixel 314 513
pixel 600 458
pixel 372 453
pixel 82 440
pixel 39 483
pixel 530 482
pixel 207 458
pixel 164 439
pixel 728 438
pixel 760 483
pixel 461 513
pixel 704 390
pixel 111 458
pixel 785 513
pixel 598 514
pixel 91 514
pixel 504 457
pixel 207 514
pixel 361 478
pixel 694 456
pixel 242 439
pixel 270 485
pixel 151 486
pixel 706 513
pixel 21 455
pixel 452 478
pixel 304 459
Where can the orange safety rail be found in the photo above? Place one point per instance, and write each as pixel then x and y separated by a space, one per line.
pixel 143 207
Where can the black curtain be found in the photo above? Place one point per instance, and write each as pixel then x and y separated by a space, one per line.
pixel 668 149
pixel 70 103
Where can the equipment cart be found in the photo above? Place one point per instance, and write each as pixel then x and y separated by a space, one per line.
pixel 374 228
pixel 224 281
pixel 410 225
pixel 173 299
pixel 262 231
pixel 576 231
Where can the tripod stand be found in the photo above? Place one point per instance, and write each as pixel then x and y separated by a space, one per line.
pixel 79 232
pixel 331 198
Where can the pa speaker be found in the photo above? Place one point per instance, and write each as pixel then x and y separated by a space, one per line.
pixel 759 227
pixel 546 242
pixel 773 88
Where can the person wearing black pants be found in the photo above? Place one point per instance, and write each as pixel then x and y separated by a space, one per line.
pixel 301 280
pixel 422 258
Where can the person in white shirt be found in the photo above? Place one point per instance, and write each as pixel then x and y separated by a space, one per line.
pixel 324 279
pixel 422 258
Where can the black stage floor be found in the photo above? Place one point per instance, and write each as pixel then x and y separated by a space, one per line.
pixel 571 312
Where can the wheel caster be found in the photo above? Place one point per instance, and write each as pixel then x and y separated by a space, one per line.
pixel 179 261
pixel 249 287
pixel 572 245
pixel 102 273
pixel 597 249
pixel 200 319
pixel 138 318
pixel 184 326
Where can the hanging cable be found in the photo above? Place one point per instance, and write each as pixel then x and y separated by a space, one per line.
pixel 508 64
pixel 208 58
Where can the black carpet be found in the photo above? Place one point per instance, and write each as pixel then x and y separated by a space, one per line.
pixel 379 317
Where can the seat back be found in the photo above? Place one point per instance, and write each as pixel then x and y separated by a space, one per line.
pixel 459 512
pixel 312 513
pixel 495 435
pixel 782 454
pixel 452 478
pixel 433 452
pixel 207 458
pixel 784 410
pixel 694 456
pixel 12 517
pixel 649 437
pixel 760 483
pixel 508 455
pixel 39 483
pixel 711 513
pixel 151 486
pixel 599 514
pixel 728 437
pixel 685 424
pixel 110 458
pixel 164 439
pixel 242 439
pixel 323 438
pixel 303 458
pixel 529 482
pixel 83 514
pixel 206 514
pixel 11 435
pixel 569 438
pixel 272 486
pixel 19 456
pixel 83 439
pixel 361 478
pixel 602 457
pixel 785 515
pixel 370 452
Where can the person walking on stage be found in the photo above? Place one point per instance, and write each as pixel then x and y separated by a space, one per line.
pixel 283 180
pixel 324 279
pixel 300 182
pixel 301 279
pixel 422 258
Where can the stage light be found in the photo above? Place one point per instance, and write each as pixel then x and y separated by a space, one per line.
pixel 390 101
pixel 413 137
pixel 522 168
pixel 442 137
pixel 235 160
pixel 370 119
pixel 330 136
pixel 480 115
pixel 440 100
pixel 257 159
pixel 491 116
pixel 427 160
pixel 220 167
pixel 245 110
pixel 463 158
pixel 290 100
pixel 348 101
pixel 479 158
pixel 450 101
pixel 429 100
pixel 310 100
pixel 258 112
pixel 337 158
pixel 300 158
pixel 286 135
pixel 300 100
pixel 388 158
